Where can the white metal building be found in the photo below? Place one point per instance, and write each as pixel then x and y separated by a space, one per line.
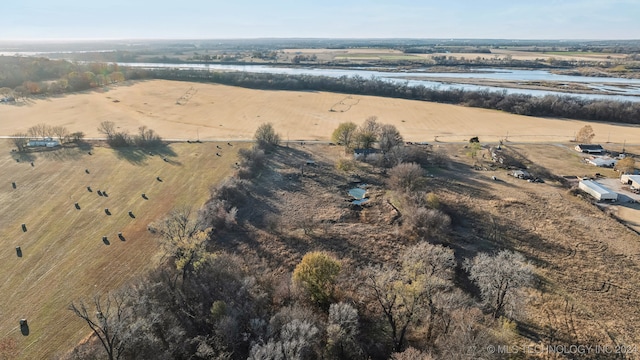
pixel 598 191
pixel 633 180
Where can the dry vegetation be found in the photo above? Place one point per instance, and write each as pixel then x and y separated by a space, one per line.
pixel 64 257
pixel 225 112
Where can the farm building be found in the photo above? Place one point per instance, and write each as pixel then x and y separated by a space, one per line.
pixel 590 148
pixel 602 161
pixel 633 180
pixel 598 191
pixel 46 142
pixel 362 153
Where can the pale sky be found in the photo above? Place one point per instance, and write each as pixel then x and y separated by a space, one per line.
pixel 214 19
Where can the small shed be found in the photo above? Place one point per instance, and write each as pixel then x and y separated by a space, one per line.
pixel 598 191
pixel 590 148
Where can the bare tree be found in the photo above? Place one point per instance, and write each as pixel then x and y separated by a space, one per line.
pixel 585 135
pixel 183 240
pixel 342 332
pixel 40 131
pixel 61 132
pixel 368 133
pixel 20 140
pixel 108 128
pixel 108 322
pixel 399 301
pixel 431 266
pixel 499 278
pixel 389 138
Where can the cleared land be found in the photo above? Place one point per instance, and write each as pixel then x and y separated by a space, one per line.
pixel 186 110
pixel 64 257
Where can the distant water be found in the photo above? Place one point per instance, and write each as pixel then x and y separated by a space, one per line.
pixel 619 89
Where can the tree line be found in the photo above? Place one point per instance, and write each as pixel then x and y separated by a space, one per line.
pixel 571 107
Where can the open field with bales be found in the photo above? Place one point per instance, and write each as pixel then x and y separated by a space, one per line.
pixel 186 110
pixel 63 256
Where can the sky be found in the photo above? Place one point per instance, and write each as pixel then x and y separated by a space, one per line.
pixel 214 19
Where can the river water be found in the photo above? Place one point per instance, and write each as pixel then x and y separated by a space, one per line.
pixel 618 89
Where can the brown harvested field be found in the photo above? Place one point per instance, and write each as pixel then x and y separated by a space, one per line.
pixel 184 110
pixel 64 257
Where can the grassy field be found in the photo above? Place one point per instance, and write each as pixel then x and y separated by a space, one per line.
pixel 187 110
pixel 64 257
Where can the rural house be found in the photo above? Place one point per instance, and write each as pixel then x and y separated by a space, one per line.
pixel 590 148
pixel 598 191
pixel 363 153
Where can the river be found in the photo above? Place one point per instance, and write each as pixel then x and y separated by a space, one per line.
pixel 616 86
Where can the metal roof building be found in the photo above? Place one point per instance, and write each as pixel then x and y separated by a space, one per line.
pixel 598 191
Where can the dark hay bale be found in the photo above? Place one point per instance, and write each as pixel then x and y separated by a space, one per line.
pixel 24 227
pixel 86 170
pixel 144 196
pixel 121 237
pixel 89 189
pixel 217 154
pixel 89 153
pixel 229 144
pixel 18 251
pixel 218 146
pixel 158 178
pixel 77 206
pixel 104 193
pixel 106 211
pixel 13 184
pixel 132 215
pixel 99 193
pixel 165 159
pixel 105 240
pixel 32 164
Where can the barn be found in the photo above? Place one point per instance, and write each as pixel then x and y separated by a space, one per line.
pixel 598 191
pixel 633 180
pixel 590 148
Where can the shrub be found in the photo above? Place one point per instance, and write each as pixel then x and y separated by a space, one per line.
pixel 266 136
pixel 406 177
pixel 317 273
pixel 345 164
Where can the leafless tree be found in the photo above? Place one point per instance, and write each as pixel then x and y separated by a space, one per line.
pixel 342 332
pixel 108 322
pixel 61 132
pixel 499 278
pixel 20 140
pixel 389 138
pixel 108 128
pixel 585 135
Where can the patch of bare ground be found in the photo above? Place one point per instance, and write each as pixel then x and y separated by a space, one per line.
pixel 587 264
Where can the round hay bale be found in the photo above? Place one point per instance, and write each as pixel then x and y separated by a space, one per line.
pixel 18 251
pixel 77 206
pixel 144 196
pixel 24 227
pixel 99 193
pixel 89 189
pixel 13 184
pixel 106 211
pixel 86 170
